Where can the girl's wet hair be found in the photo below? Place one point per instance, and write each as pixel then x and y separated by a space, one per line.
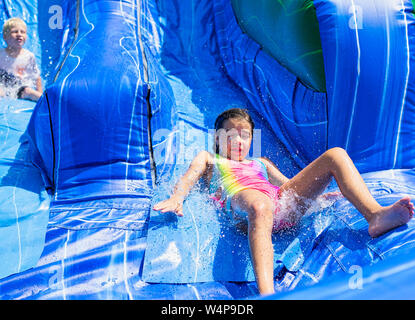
pixel 234 113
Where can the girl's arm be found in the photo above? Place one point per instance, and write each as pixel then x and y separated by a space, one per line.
pixel 185 184
pixel 274 175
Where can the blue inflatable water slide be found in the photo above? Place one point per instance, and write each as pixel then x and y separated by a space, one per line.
pixel 132 88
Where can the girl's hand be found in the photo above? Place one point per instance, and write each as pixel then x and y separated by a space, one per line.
pixel 172 204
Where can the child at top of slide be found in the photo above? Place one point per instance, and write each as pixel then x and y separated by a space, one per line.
pixel 19 73
pixel 252 189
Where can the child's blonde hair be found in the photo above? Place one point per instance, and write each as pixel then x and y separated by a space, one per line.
pixel 10 23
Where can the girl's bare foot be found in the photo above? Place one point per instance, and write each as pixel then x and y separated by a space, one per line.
pixel 388 218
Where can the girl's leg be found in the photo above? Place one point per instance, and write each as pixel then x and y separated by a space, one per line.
pixel 260 221
pixel 312 180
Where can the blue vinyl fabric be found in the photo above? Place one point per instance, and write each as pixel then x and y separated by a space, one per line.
pixel 24 202
pixel 206 246
pixel 376 114
pixel 200 247
pixel 360 41
pixel 131 96
pixel 110 154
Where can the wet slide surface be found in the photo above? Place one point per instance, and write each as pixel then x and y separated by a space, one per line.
pixel 117 126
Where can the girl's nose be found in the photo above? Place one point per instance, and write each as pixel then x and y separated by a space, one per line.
pixel 237 141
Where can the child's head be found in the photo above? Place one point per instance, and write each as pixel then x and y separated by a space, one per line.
pixel 233 134
pixel 15 32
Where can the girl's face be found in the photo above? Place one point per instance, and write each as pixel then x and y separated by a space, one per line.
pixel 16 36
pixel 234 139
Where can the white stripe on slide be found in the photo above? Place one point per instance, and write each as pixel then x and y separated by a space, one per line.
pixel 130 296
pixel 406 87
pixel 357 77
pixel 65 254
pixel 385 81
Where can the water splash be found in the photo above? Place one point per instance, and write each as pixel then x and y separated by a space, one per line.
pixel 292 207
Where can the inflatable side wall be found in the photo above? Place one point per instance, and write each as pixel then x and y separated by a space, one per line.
pixel 367 48
pixel 96 89
pixel 24 201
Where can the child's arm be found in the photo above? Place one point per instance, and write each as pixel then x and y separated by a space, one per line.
pixel 39 85
pixel 274 175
pixel 185 184
pixel 33 69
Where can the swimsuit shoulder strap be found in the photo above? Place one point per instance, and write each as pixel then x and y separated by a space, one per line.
pixel 263 166
pixel 214 181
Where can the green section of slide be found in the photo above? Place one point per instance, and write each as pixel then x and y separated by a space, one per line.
pixel 288 30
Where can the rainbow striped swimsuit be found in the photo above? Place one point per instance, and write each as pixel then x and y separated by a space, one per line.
pixel 234 176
